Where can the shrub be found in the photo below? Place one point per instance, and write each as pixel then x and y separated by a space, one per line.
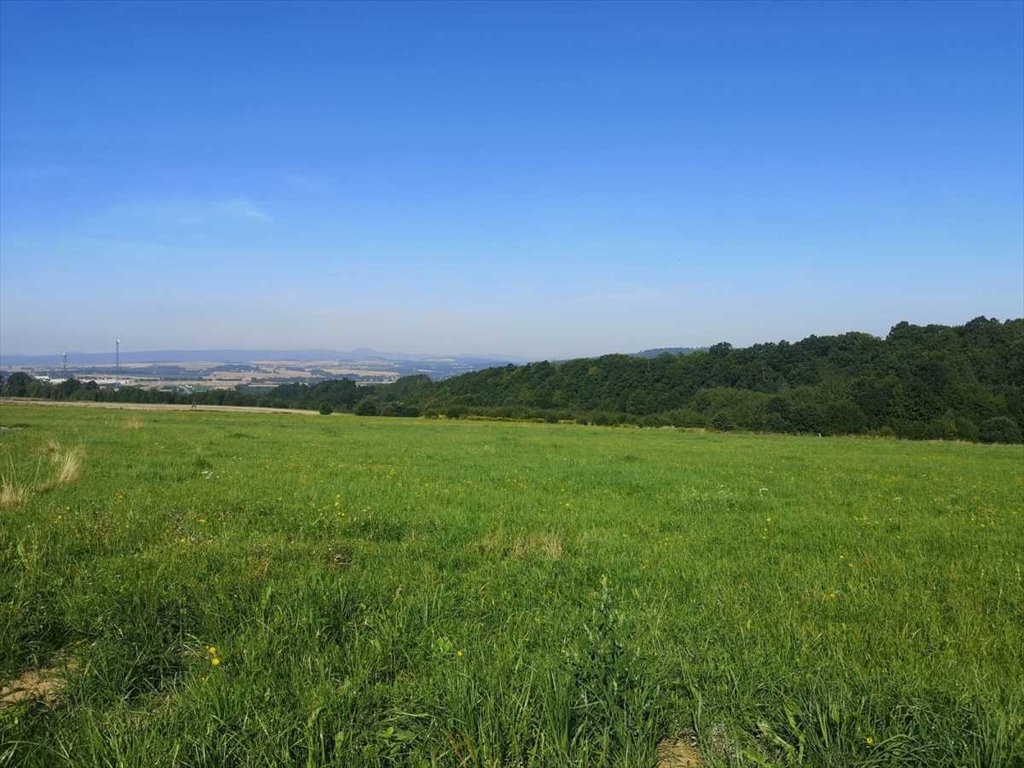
pixel 1001 429
pixel 325 409
pixel 456 411
pixel 394 408
pixel 366 407
pixel 774 422
pixel 966 429
pixel 721 422
pixel 844 418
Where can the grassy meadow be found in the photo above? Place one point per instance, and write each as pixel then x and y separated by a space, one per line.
pixel 256 589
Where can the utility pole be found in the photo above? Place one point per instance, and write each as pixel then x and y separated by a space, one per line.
pixel 117 360
pixel 65 356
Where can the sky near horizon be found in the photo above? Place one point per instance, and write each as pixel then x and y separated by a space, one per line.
pixel 525 179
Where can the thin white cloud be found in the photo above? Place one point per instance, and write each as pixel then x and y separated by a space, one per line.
pixel 177 212
pixel 242 209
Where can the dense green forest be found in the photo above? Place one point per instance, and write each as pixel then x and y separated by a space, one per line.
pixel 921 382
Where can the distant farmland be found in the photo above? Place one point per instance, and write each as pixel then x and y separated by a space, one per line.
pixel 227 589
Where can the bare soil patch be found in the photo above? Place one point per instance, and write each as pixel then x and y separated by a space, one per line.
pixel 678 753
pixel 43 685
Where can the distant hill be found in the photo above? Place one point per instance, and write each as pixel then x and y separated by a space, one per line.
pixel 235 356
pixel 242 356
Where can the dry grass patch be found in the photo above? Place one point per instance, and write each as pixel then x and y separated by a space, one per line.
pixel 517 547
pixel 11 495
pixel 67 468
pixel 13 492
pixel 67 463
pixel 133 423
pixel 42 685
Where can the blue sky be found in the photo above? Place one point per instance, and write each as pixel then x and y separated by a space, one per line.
pixel 526 179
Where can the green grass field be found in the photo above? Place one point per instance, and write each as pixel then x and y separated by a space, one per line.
pixel 222 589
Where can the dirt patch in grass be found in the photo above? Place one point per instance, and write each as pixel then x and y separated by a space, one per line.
pixel 42 685
pixel 678 753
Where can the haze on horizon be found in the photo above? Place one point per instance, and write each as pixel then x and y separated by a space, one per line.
pixel 531 180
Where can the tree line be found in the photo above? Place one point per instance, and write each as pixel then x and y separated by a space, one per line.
pixel 919 382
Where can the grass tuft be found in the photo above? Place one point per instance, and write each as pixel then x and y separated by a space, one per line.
pixel 11 495
pixel 67 469
pixel 68 464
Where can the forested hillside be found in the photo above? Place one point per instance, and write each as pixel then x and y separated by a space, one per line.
pixel 932 381
pixel 964 382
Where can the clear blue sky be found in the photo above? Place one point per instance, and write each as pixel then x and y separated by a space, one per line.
pixel 533 179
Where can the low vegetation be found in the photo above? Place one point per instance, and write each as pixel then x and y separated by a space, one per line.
pixel 228 589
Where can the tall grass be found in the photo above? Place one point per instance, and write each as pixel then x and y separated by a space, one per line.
pixel 11 494
pixel 67 465
pixel 66 469
pixel 405 593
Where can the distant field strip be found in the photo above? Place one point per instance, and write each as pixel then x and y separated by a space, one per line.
pixel 147 406
pixel 248 589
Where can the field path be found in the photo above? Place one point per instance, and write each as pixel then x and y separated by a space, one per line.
pixel 150 406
